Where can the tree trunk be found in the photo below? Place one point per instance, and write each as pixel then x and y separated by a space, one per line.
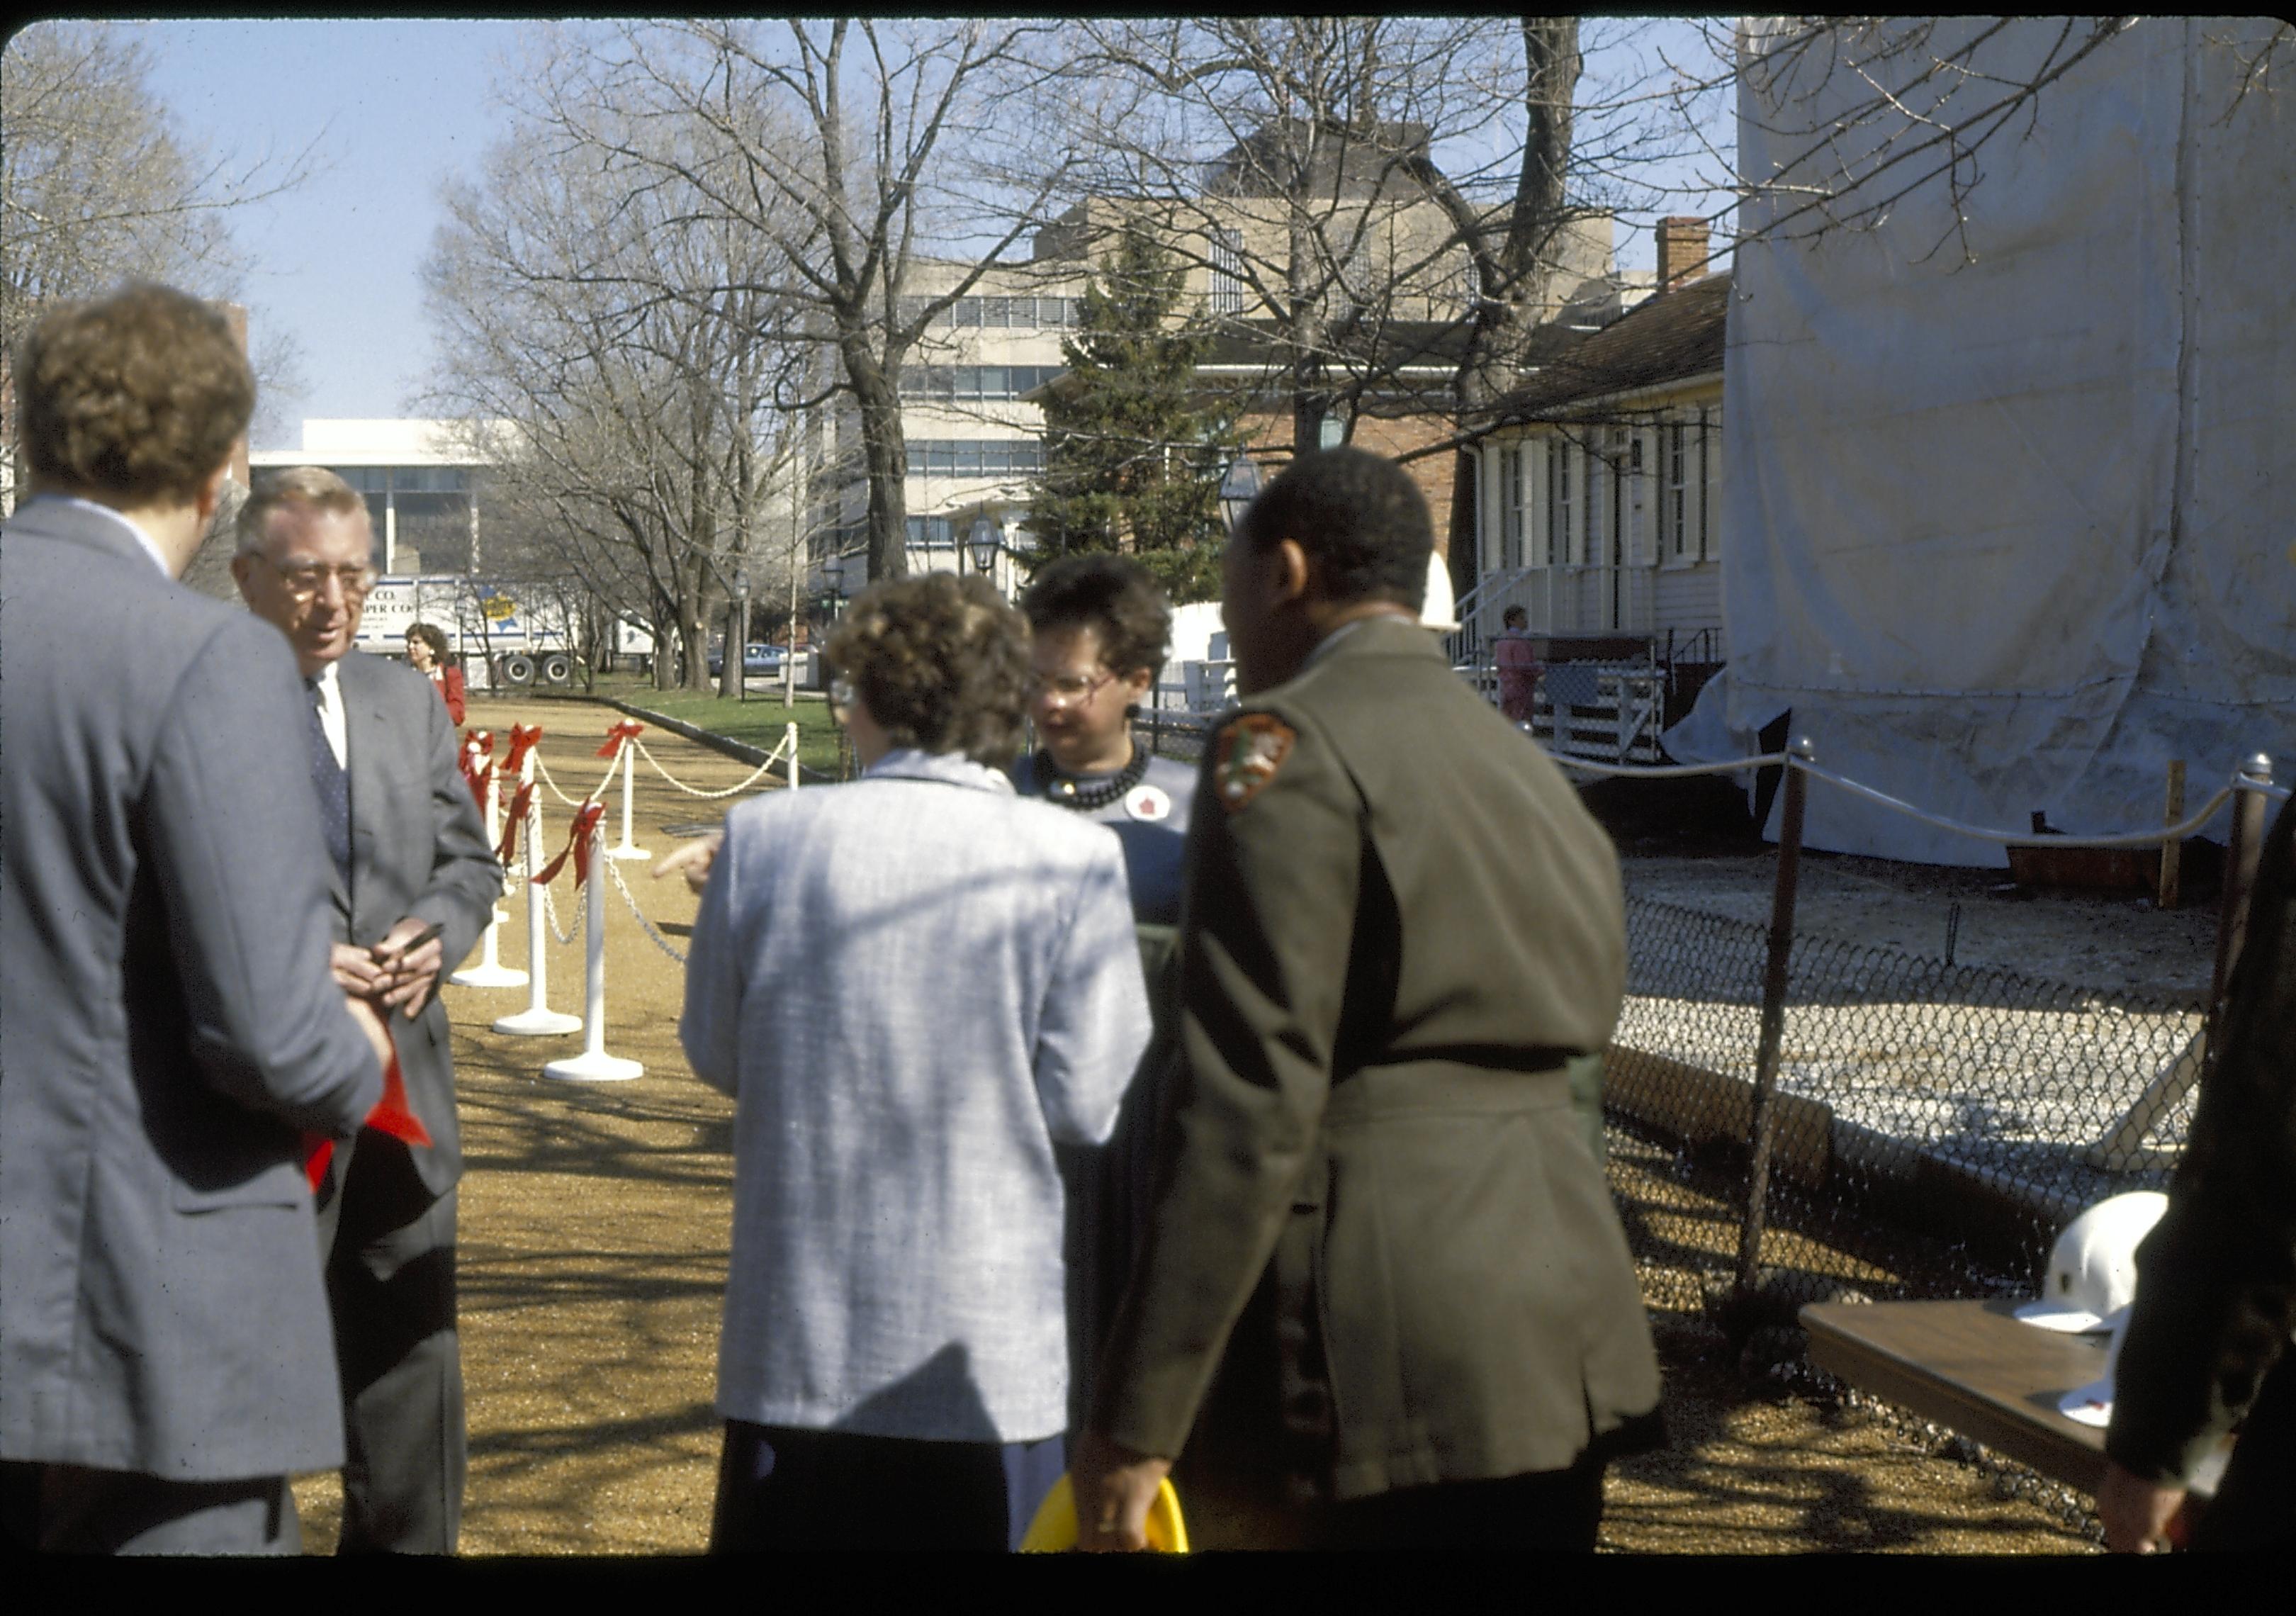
pixel 729 666
pixel 1507 312
pixel 876 391
pixel 693 631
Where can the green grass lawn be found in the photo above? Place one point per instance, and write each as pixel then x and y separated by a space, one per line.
pixel 758 721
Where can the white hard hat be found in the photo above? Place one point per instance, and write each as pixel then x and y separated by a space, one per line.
pixel 2092 1405
pixel 2093 1266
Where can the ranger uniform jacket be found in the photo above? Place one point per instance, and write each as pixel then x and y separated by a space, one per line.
pixel 1373 1198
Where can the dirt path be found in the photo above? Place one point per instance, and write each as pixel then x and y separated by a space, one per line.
pixel 594 1223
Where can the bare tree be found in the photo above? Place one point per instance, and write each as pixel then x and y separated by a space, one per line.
pixel 96 187
pixel 854 147
pixel 629 336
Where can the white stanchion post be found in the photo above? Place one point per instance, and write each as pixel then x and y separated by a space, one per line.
pixel 789 738
pixel 490 972
pixel 628 850
pixel 537 1019
pixel 593 1064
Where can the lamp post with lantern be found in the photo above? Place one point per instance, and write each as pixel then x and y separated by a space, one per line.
pixel 741 650
pixel 1238 488
pixel 985 543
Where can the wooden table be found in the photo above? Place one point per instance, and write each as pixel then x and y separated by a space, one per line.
pixel 1972 1366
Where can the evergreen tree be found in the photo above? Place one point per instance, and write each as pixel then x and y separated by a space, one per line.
pixel 1132 456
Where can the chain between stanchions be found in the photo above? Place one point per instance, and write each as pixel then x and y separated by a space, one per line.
pixel 659 941
pixel 2189 825
pixel 543 769
pixel 549 913
pixel 771 758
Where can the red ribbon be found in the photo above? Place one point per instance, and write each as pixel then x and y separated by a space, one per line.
pixel 476 761
pixel 522 740
pixel 515 818
pixel 391 1115
pixel 620 734
pixel 578 843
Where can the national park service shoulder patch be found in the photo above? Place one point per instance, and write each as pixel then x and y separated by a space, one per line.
pixel 1248 753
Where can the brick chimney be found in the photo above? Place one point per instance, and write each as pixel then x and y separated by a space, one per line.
pixel 1681 250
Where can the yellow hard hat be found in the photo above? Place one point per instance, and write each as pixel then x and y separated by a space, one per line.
pixel 1054 1528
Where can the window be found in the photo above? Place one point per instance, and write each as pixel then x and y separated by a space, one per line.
pixel 971 382
pixel 975 456
pixel 1561 538
pixel 1709 474
pixel 1010 312
pixel 1227 271
pixel 1515 468
pixel 1674 499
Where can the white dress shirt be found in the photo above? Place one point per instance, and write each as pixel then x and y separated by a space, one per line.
pixel 330 690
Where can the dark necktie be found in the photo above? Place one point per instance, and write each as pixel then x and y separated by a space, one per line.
pixel 334 786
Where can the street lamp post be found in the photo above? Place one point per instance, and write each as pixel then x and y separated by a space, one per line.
pixel 742 651
pixel 984 544
pixel 1238 489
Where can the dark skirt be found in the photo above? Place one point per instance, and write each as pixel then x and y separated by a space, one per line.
pixel 782 1488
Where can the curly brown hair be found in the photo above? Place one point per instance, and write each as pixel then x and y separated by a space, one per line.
pixel 137 398
pixel 1117 596
pixel 433 636
pixel 940 662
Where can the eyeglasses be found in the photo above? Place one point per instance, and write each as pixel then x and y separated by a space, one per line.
pixel 1066 689
pixel 305 579
pixel 840 695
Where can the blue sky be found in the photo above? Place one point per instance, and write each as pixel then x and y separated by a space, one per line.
pixel 398 105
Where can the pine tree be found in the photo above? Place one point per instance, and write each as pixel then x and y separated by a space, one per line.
pixel 1133 456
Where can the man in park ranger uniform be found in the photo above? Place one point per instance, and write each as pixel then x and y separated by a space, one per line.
pixel 1383 1281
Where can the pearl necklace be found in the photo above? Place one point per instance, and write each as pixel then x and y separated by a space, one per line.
pixel 1064 790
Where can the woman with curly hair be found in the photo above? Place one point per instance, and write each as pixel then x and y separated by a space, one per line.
pixel 914 985
pixel 426 650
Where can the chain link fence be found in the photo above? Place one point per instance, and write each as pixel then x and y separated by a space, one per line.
pixel 1973 1103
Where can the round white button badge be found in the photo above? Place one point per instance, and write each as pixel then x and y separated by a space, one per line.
pixel 1148 803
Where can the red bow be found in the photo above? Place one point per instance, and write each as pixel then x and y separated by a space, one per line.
pixel 391 1115
pixel 618 734
pixel 522 740
pixel 515 818
pixel 578 843
pixel 478 750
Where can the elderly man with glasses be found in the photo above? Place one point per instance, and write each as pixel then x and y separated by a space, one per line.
pixel 413 884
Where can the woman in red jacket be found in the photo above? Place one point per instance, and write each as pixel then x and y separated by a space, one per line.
pixel 426 648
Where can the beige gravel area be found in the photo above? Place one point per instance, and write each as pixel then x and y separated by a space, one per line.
pixel 593 1229
pixel 2091 939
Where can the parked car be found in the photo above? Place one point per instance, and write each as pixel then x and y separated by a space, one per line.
pixel 757 660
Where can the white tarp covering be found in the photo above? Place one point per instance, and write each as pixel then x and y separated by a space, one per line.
pixel 2012 534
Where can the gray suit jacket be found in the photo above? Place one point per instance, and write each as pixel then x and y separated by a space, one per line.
pixel 417 848
pixel 170 1024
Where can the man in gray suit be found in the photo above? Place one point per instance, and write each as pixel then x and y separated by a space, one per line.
pixel 170 1030
pixel 409 858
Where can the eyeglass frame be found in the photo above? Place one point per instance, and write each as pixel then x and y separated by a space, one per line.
pixel 303 582
pixel 1041 690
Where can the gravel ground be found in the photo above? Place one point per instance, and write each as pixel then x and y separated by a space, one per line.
pixel 594 1224
pixel 2095 940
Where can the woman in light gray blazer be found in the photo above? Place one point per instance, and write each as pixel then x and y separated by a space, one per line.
pixel 912 985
